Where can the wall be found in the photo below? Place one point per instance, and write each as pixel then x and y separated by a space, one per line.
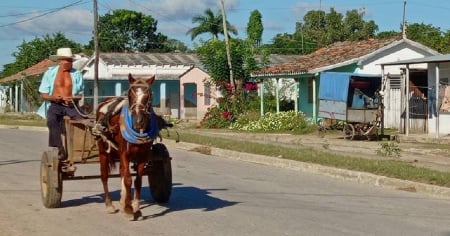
pixel 196 77
pixel 444 117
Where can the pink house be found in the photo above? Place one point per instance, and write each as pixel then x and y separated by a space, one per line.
pixel 197 94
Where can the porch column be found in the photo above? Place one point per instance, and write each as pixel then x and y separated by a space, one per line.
pixel 277 95
pixel 382 88
pixel 314 98
pixel 163 98
pixel 261 90
pixel 436 94
pixel 407 102
pixel 297 85
pixel 16 98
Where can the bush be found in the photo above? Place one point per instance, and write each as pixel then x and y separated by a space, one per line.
pixel 217 118
pixel 284 121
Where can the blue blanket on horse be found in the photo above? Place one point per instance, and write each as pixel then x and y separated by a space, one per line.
pixel 132 135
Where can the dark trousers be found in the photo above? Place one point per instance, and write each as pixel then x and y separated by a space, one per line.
pixel 55 116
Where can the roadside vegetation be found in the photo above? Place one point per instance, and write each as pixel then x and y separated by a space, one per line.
pixel 22 119
pixel 391 167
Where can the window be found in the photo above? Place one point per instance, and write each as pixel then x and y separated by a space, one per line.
pixel 395 82
pixel 190 95
pixel 207 95
pixel 310 89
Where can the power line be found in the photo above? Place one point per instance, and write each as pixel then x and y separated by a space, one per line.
pixel 43 14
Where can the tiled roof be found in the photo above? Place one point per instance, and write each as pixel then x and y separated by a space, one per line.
pixel 333 54
pixel 36 69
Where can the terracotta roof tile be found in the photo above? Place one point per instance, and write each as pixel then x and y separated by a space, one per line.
pixel 36 69
pixel 335 53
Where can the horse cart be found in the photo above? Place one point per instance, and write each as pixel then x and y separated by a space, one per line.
pixel 85 141
pixel 352 102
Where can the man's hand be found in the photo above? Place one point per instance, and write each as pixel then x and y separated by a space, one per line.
pixel 58 99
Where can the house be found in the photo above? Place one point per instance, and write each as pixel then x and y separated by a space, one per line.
pixel 361 57
pixel 426 99
pixel 179 91
pixel 113 70
pixel 196 93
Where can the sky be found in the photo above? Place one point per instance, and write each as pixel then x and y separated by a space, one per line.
pixel 24 20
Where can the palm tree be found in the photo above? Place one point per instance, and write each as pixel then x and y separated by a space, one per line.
pixel 209 23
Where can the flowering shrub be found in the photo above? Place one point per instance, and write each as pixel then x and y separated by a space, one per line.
pixel 284 121
pixel 217 118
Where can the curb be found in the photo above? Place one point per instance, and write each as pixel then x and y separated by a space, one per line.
pixel 343 174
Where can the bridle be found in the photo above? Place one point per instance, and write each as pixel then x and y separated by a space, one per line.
pixel 138 106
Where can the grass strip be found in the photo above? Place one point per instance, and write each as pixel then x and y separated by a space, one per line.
pixel 389 168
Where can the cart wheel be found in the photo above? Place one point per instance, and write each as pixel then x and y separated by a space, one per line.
pixel 51 179
pixel 349 131
pixel 160 174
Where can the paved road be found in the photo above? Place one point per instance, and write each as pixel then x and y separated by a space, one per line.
pixel 211 196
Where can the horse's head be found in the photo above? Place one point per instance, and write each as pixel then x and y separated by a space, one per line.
pixel 140 101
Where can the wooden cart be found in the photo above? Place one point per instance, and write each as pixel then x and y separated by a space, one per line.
pixel 81 148
pixel 352 100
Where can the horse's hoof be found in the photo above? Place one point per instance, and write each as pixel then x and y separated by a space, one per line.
pixel 129 216
pixel 111 210
pixel 137 216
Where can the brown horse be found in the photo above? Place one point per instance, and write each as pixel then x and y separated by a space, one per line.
pixel 130 126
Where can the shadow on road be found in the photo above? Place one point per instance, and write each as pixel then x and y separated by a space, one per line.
pixel 189 197
pixel 182 198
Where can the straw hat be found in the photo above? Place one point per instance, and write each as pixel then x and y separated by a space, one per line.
pixel 62 53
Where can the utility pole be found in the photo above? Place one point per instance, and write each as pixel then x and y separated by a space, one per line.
pixel 404 22
pixel 96 56
pixel 227 44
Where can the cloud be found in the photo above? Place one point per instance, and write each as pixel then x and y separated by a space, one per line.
pixel 77 22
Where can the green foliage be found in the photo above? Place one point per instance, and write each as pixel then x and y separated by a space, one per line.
pixel 216 118
pixel 389 149
pixel 320 29
pixel 290 121
pixel 129 31
pixel 255 28
pixel 427 35
pixel 212 55
pixel 38 49
pixel 210 23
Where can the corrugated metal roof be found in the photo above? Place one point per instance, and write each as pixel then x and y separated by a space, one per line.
pixel 430 59
pixel 132 59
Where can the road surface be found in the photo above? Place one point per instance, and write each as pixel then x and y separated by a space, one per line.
pixel 211 196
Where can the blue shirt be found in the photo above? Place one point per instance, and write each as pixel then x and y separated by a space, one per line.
pixel 48 81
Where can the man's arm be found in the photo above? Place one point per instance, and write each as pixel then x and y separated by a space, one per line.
pixel 46 96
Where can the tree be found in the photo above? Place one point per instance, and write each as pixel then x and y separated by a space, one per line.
pixel 387 34
pixel 427 35
pixel 333 28
pixel 129 31
pixel 355 28
pixel 38 49
pixel 255 28
pixel 209 23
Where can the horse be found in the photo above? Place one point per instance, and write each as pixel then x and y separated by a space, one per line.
pixel 129 127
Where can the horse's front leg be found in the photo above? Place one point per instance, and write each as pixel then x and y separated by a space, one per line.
pixel 104 172
pixel 137 190
pixel 125 193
